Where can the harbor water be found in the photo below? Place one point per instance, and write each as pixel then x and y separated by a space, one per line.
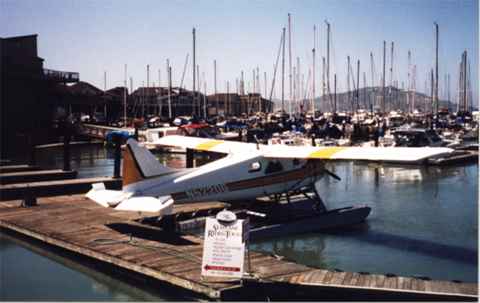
pixel 424 222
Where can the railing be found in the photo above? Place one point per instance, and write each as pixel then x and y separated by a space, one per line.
pixel 61 76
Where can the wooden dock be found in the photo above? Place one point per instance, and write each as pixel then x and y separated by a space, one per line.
pixel 55 187
pixel 117 239
pixel 17 168
pixel 36 175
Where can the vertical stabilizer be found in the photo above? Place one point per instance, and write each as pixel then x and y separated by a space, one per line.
pixel 139 163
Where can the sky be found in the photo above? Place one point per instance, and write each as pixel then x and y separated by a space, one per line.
pixel 97 36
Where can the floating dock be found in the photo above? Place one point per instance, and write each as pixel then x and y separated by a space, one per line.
pixel 36 175
pixel 55 187
pixel 118 239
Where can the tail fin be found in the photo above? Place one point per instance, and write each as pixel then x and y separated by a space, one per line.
pixel 139 163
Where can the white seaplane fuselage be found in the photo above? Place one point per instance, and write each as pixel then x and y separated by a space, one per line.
pixel 239 177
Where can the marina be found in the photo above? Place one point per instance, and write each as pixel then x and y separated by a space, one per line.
pixel 237 155
pixel 289 247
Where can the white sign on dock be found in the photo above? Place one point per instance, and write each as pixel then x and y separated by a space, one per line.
pixel 223 249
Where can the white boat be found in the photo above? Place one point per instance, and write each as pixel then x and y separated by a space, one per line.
pixel 152 135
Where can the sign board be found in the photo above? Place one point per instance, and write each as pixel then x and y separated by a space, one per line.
pixel 223 248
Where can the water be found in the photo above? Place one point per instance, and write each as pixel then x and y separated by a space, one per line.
pixel 424 222
pixel 32 273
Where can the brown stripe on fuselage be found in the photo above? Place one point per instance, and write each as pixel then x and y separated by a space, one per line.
pixel 307 170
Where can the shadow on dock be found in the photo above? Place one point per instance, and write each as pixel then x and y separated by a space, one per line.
pixel 149 233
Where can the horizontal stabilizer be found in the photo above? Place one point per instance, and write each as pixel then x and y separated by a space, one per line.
pixel 120 200
pixel 162 205
pixel 106 197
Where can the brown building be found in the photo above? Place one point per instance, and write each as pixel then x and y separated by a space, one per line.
pixel 147 101
pixel 26 95
pixel 237 105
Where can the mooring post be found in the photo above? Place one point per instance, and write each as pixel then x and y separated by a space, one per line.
pixel 313 139
pixel 29 198
pixel 117 141
pixel 66 145
pixel 136 133
pixel 31 146
pixel 190 155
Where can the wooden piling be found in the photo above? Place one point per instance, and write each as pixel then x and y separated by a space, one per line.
pixel 190 156
pixel 117 140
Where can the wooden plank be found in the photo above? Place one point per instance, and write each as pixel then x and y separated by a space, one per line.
pixel 139 255
pixel 327 277
pixel 17 168
pixel 418 285
pixel 283 269
pixel 361 280
pixel 391 282
pixel 348 277
pixel 35 176
pixel 337 278
pixel 377 281
pixel 314 276
pixel 181 268
pixel 355 278
pixel 55 187
pixel 406 283
pixel 163 259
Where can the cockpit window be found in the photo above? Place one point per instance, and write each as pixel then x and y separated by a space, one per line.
pixel 254 167
pixel 273 167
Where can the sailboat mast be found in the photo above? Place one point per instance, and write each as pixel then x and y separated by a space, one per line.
pixel 215 83
pixel 335 93
pixel 323 83
pixel 193 71
pixel 410 108
pixel 465 106
pixel 313 70
pixel 125 97
pixel 290 64
pixel 328 59
pixel 414 86
pixel 432 90
pixel 372 71
pixel 436 68
pixel 383 78
pixel 169 92
pixel 283 71
pixel 358 86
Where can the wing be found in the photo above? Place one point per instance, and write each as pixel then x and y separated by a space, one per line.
pixel 203 144
pixel 387 154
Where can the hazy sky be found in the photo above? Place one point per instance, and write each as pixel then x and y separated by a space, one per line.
pixel 91 37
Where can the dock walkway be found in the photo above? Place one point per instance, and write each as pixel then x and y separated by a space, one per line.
pixel 83 228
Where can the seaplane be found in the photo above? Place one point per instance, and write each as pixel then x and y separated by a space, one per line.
pixel 248 171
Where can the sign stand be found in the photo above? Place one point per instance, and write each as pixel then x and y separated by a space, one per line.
pixel 225 241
